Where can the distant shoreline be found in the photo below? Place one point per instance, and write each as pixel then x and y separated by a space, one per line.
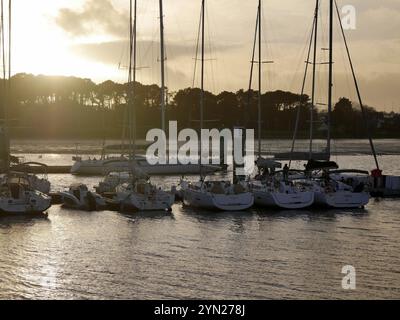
pixel 142 140
pixel 90 147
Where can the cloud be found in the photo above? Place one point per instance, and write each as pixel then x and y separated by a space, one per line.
pixel 375 45
pixel 114 52
pixel 96 16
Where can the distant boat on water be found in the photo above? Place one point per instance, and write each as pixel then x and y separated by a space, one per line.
pixel 106 165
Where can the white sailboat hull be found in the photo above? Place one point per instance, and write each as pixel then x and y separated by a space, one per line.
pixel 33 203
pixel 298 200
pixel 132 201
pixel 342 199
pixel 208 201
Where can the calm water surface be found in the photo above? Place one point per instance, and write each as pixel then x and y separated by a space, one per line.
pixel 259 254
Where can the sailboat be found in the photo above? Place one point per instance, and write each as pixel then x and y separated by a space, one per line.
pixel 17 194
pixel 41 184
pixel 328 191
pixel 138 194
pixel 213 195
pixel 18 197
pixel 113 164
pixel 269 188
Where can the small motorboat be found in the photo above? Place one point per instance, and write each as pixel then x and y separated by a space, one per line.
pixel 79 197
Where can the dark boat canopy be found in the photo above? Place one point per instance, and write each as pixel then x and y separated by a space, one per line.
pixel 321 165
pixel 268 163
pixel 350 171
pixel 302 156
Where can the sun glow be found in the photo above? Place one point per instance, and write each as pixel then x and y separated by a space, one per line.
pixel 40 47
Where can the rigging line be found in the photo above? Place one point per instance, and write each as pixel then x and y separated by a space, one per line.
pixel 259 78
pixel 126 121
pixel 209 76
pixel 130 87
pixel 162 52
pixel 249 95
pixel 3 43
pixel 6 92
pixel 347 71
pixel 9 41
pixel 202 83
pixel 300 56
pixel 3 62
pixel 213 53
pixel 313 78
pixel 133 127
pixel 330 84
pixel 269 49
pixel 197 51
pixel 364 114
pixel 302 93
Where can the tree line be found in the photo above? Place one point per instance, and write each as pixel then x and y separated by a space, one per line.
pixel 75 108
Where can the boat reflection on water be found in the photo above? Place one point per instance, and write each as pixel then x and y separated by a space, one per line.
pixel 8 220
pixel 148 215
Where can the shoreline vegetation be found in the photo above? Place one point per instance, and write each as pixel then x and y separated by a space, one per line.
pixel 60 108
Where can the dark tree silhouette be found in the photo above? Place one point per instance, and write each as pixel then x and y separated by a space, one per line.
pixel 69 107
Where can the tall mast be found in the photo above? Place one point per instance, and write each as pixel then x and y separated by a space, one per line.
pixel 253 56
pixel 132 78
pixel 6 63
pixel 330 76
pixel 296 129
pixel 9 77
pixel 363 111
pixel 163 93
pixel 314 79
pixel 259 77
pixel 203 9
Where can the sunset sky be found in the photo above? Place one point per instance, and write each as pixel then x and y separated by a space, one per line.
pixel 88 38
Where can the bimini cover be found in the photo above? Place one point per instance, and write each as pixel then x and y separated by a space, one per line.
pixel 321 165
pixel 268 163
